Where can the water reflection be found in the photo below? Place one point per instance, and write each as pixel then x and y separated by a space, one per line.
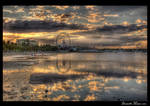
pixel 63 65
pixel 77 77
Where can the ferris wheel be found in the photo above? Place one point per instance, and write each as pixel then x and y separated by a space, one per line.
pixel 63 41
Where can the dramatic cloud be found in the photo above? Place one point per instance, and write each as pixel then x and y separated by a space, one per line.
pixel 39 26
pixel 116 29
pixel 120 28
pixel 101 26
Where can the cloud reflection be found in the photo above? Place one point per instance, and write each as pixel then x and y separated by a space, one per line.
pixel 88 79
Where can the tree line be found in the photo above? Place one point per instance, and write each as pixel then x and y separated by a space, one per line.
pixel 10 46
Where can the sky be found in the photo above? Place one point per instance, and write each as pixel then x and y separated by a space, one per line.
pixel 87 26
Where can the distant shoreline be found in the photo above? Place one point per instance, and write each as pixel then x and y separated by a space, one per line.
pixel 83 51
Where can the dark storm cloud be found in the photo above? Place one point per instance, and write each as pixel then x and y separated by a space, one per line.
pixel 116 29
pixel 123 41
pixel 110 44
pixel 39 26
pixel 132 39
pixel 120 28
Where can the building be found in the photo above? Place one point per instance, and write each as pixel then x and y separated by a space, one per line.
pixel 26 42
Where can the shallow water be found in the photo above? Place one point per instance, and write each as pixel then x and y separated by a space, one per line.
pixel 105 76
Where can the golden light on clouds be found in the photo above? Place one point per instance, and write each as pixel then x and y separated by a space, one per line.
pixel 106 23
pixel 85 27
pixel 138 21
pixel 125 23
pixel 20 10
pixel 9 11
pixel 76 7
pixel 90 7
pixel 33 35
pixel 69 31
pixel 144 22
pixel 25 35
pixel 94 17
pixel 126 79
pixel 6 20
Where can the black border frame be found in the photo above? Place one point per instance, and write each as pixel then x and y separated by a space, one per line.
pixel 74 2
